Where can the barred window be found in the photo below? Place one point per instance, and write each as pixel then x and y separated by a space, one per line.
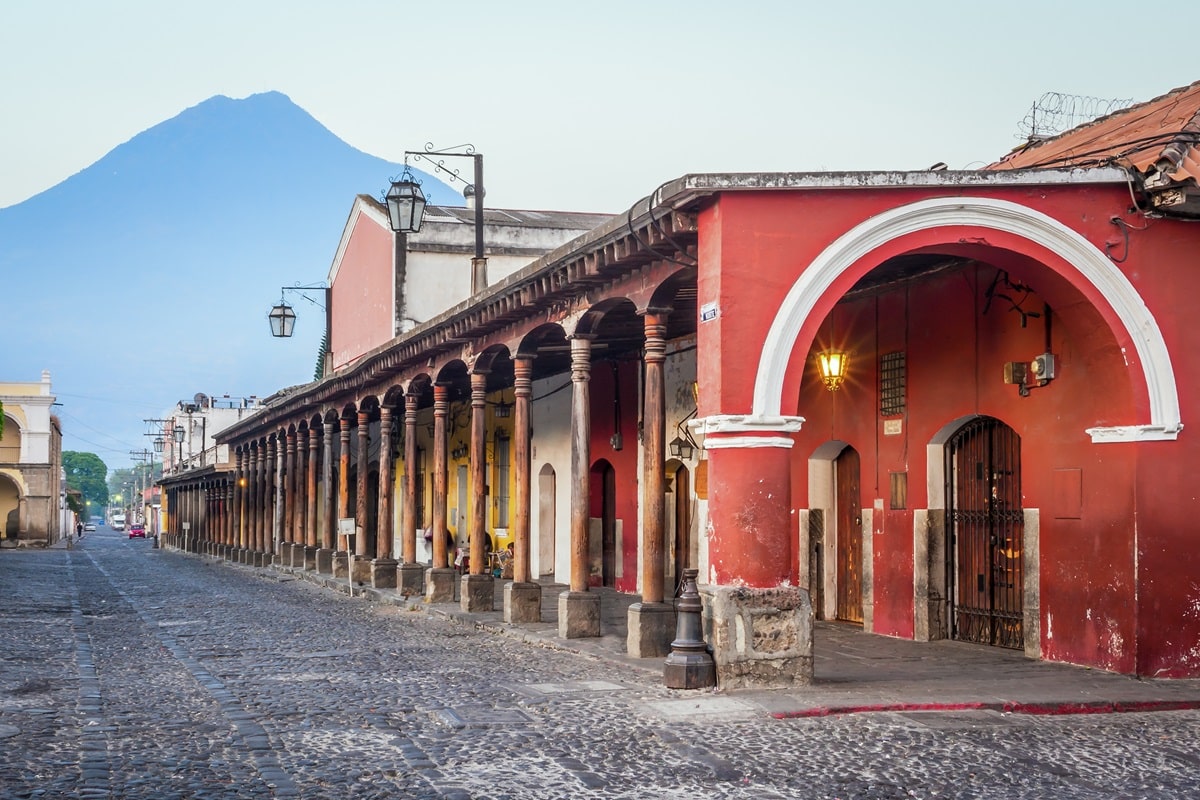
pixel 892 384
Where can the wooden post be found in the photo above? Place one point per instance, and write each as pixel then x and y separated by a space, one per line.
pixel 581 435
pixel 383 537
pixel 523 388
pixel 409 522
pixel 478 473
pixel 441 393
pixel 653 480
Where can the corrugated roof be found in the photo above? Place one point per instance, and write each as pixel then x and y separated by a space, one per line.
pixel 1158 137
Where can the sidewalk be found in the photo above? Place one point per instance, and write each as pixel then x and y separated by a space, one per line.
pixel 855 672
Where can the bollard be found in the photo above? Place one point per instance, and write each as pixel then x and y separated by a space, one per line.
pixel 689 665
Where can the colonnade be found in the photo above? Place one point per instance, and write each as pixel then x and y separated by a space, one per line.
pixel 298 495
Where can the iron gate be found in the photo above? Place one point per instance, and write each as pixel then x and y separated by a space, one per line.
pixel 985 533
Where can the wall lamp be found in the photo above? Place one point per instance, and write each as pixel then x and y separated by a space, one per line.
pixel 503 409
pixel 283 318
pixel 681 448
pixel 459 452
pixel 406 202
pixel 832 366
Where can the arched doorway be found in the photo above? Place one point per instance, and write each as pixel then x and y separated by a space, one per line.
pixel 985 530
pixel 604 520
pixel 547 511
pixel 848 521
pixel 10 508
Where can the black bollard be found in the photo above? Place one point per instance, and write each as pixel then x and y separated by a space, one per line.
pixel 689 665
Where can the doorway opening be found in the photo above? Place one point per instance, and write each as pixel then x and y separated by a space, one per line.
pixel 985 531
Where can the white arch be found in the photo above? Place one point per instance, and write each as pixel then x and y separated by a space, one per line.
pixel 998 215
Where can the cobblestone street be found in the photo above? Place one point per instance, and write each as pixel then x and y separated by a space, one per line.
pixel 132 672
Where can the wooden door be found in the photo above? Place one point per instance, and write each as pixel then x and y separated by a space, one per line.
pixel 848 515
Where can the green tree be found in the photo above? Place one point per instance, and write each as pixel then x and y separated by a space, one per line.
pixel 87 475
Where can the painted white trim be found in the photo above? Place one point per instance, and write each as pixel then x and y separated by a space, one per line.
pixel 981 212
pixel 1134 433
pixel 747 442
pixel 744 423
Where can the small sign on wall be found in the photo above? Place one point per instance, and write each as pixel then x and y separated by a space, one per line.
pixel 893 427
pixel 700 481
pixel 708 312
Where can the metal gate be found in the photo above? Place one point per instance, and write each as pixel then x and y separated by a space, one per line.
pixel 985 534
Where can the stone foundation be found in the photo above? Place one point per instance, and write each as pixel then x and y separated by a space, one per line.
pixel 578 615
pixel 439 585
pixel 760 638
pixel 522 603
pixel 651 629
pixel 410 579
pixel 383 573
pixel 360 570
pixel 341 564
pixel 310 558
pixel 478 593
pixel 324 561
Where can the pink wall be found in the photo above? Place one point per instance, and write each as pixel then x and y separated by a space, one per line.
pixel 363 291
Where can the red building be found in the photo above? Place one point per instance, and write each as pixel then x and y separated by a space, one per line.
pixel 1002 461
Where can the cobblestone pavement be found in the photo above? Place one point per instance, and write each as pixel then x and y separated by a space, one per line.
pixel 131 672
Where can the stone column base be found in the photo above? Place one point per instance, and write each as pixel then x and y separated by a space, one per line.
pixel 410 579
pixel 760 638
pixel 383 573
pixel 297 561
pixel 324 561
pixel 310 558
pixel 651 629
pixel 578 615
pixel 360 569
pixel 260 559
pixel 478 593
pixel 341 564
pixel 439 585
pixel 522 603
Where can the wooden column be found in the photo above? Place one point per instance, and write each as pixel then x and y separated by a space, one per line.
pixel 242 497
pixel 327 499
pixel 441 404
pixel 523 389
pixel 408 522
pixel 344 474
pixel 288 486
pixel 477 473
pixel 581 436
pixel 360 506
pixel 310 493
pixel 654 460
pixel 300 507
pixel 383 536
pixel 253 513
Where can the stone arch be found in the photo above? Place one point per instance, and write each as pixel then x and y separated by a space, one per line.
pixel 1119 301
pixel 12 493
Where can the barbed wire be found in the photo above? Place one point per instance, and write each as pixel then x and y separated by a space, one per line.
pixel 1055 112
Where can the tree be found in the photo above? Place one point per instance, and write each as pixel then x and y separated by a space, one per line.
pixel 87 474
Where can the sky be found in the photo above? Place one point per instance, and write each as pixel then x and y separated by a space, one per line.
pixel 574 106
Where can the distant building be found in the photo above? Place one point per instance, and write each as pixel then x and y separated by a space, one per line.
pixel 430 271
pixel 32 493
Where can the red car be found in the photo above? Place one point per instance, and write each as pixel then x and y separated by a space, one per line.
pixel 137 530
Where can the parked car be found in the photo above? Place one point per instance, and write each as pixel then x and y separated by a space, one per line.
pixel 137 530
pixel 89 526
